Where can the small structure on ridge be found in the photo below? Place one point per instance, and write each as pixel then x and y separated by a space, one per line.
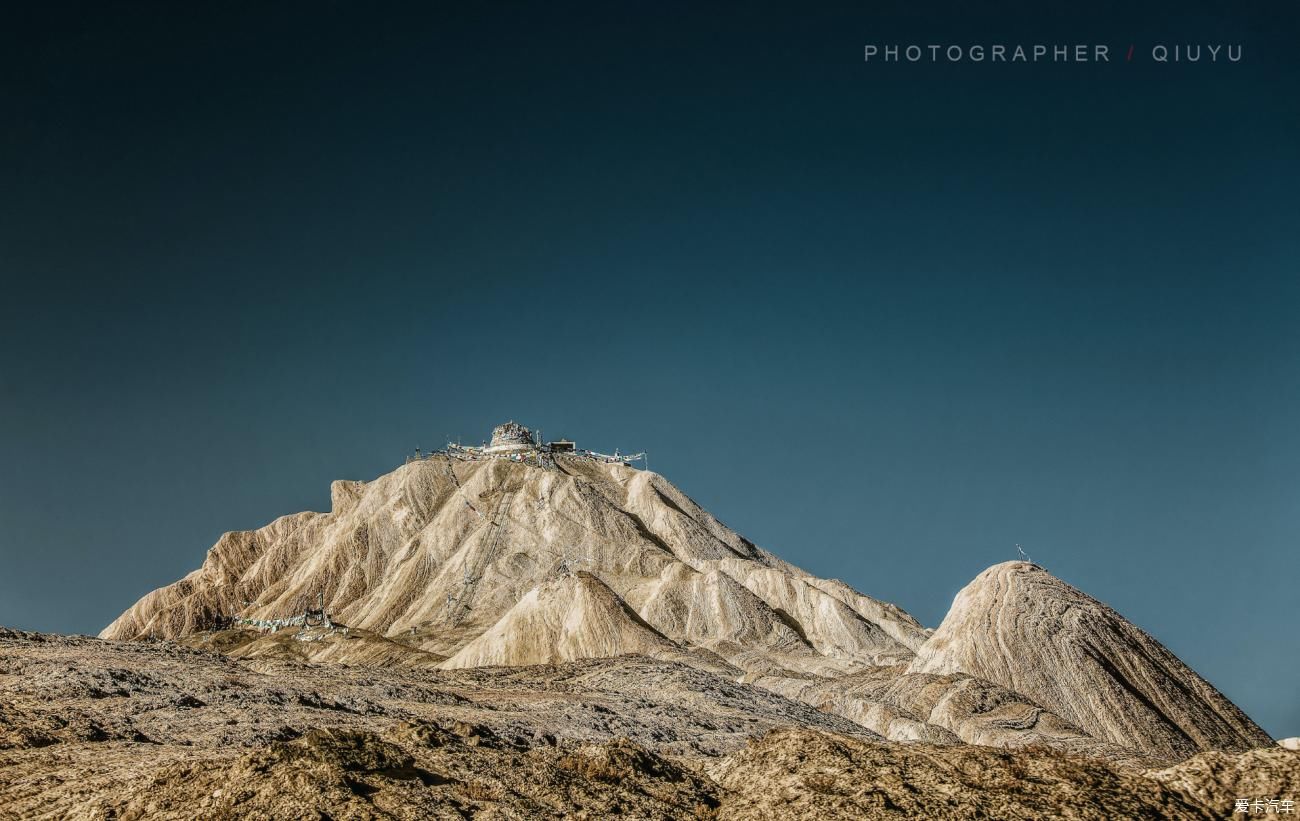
pixel 518 443
pixel 511 437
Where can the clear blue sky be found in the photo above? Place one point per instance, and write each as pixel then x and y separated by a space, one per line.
pixel 885 320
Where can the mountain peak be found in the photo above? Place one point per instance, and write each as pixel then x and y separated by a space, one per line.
pixel 526 552
pixel 1019 626
pixel 464 544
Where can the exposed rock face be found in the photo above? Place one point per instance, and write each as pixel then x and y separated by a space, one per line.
pixel 568 617
pixel 1018 626
pixel 954 708
pixel 463 564
pixel 466 552
pixel 796 773
pixel 1218 779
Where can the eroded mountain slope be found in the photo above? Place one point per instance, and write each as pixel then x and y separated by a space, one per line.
pixel 443 550
pixel 466 563
pixel 1018 626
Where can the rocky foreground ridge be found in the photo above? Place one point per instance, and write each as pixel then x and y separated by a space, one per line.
pixel 95 729
pixel 587 625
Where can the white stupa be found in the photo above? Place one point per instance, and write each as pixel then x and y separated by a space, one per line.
pixel 511 437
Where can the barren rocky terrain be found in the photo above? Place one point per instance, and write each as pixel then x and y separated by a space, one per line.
pixel 558 636
pixel 93 729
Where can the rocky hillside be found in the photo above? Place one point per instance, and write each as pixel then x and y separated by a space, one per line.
pixel 461 563
pixel 450 551
pixel 1020 627
pixel 93 729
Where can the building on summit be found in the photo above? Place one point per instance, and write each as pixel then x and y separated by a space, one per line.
pixel 517 443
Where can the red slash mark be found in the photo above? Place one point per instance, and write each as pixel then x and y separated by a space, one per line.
pixel 1129 58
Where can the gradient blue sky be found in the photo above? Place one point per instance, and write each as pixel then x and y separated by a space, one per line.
pixel 885 320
